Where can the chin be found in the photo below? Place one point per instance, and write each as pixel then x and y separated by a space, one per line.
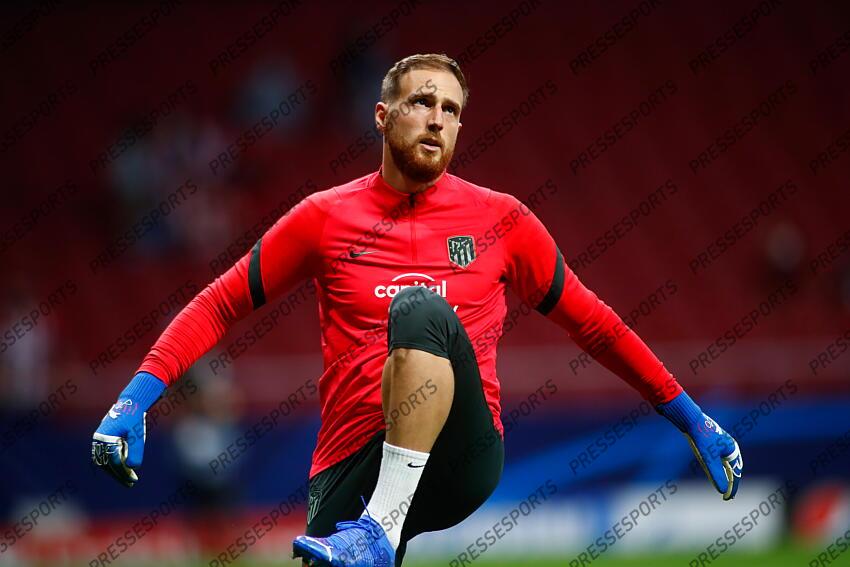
pixel 418 164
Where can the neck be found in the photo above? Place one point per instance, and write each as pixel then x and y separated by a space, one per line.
pixel 399 181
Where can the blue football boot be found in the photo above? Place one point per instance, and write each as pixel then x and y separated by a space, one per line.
pixel 361 543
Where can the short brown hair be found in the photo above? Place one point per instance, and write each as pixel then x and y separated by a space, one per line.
pixel 390 86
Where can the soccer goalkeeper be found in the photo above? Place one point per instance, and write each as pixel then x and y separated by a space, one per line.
pixel 411 265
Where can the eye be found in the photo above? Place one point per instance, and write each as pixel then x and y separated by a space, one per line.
pixel 451 109
pixel 421 99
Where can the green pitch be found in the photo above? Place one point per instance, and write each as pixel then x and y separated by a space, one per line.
pixel 779 558
pixel 785 557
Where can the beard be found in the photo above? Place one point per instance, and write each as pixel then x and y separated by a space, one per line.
pixel 411 160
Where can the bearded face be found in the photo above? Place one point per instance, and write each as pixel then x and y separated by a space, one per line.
pixel 421 157
pixel 421 127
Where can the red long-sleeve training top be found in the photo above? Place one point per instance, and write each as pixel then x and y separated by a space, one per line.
pixel 364 241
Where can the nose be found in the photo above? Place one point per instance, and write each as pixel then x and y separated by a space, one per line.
pixel 435 119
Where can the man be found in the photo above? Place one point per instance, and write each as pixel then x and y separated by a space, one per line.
pixel 411 265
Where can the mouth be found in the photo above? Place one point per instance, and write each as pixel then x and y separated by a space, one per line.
pixel 431 143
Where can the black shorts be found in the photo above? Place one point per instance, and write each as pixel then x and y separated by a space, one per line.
pixel 466 461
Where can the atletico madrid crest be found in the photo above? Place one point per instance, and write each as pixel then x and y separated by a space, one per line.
pixel 461 250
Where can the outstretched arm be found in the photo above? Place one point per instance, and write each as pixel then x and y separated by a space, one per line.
pixel 286 254
pixel 537 271
pixel 599 331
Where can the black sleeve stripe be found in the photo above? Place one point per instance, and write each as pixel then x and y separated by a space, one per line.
pixel 255 280
pixel 550 300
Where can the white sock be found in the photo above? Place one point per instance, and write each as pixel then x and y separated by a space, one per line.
pixel 394 492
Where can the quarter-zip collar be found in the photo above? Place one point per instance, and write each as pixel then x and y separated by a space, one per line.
pixel 421 200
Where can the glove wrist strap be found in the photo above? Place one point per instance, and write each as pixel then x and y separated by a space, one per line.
pixel 682 412
pixel 144 389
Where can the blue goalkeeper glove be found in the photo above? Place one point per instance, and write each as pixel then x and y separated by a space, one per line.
pixel 715 450
pixel 119 443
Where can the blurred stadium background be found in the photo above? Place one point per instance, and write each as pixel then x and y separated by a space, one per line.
pixel 690 159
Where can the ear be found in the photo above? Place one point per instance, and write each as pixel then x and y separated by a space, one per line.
pixel 381 116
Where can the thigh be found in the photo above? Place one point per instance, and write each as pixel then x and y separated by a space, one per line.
pixel 463 469
pixel 466 461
